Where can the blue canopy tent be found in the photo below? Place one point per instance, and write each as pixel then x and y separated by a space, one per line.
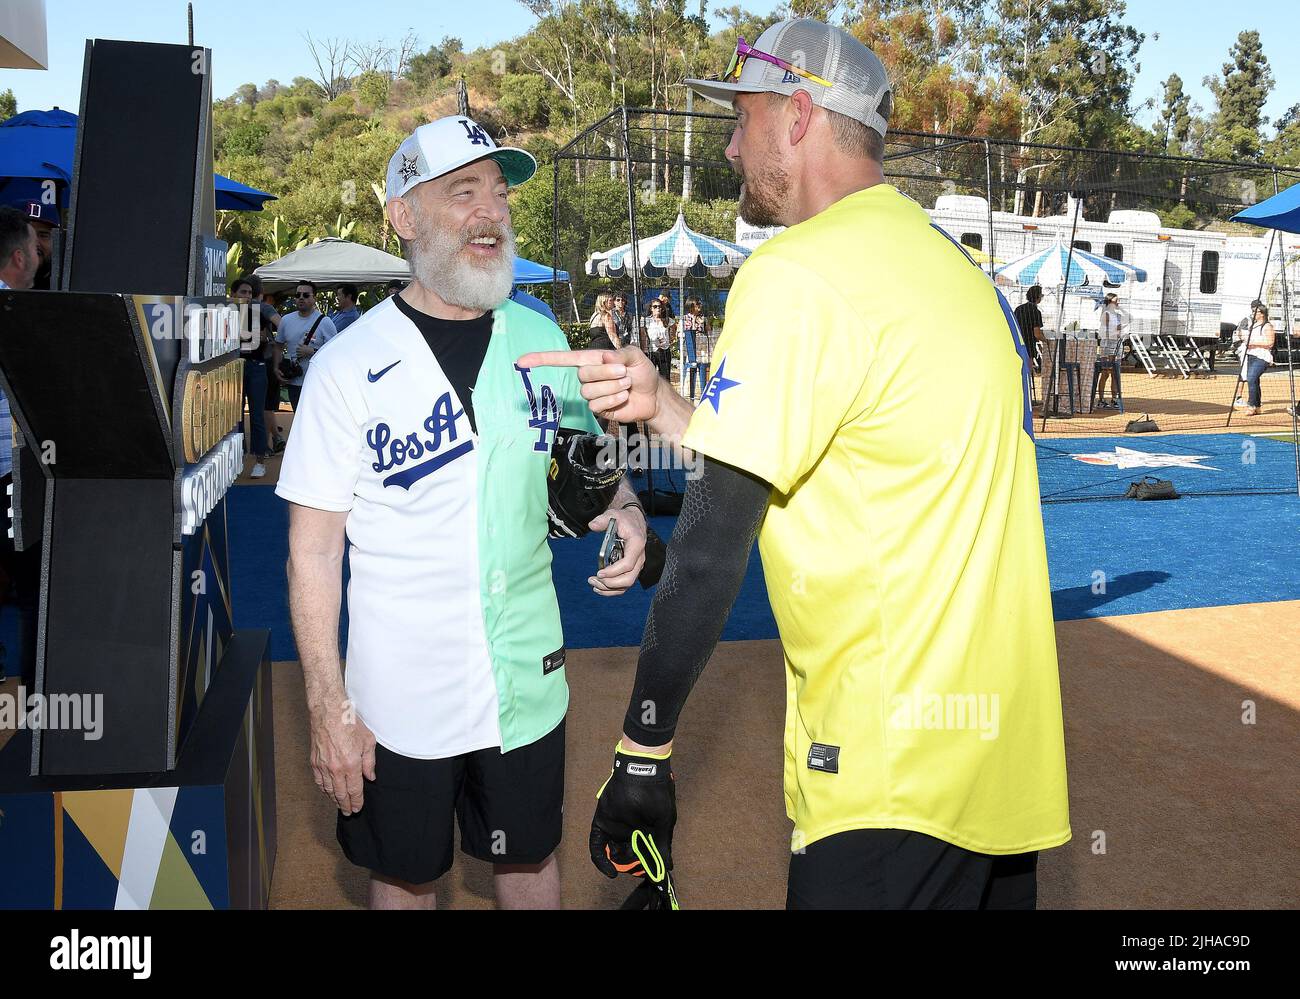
pixel 527 272
pixel 38 146
pixel 1282 211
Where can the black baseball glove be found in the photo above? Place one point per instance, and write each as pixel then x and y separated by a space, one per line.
pixel 584 476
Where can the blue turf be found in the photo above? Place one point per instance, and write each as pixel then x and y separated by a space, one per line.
pixel 1194 552
pixel 1232 463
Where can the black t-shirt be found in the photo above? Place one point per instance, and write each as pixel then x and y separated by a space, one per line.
pixel 257 316
pixel 1029 318
pixel 459 346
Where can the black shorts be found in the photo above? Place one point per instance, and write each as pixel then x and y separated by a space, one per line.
pixel 900 869
pixel 510 808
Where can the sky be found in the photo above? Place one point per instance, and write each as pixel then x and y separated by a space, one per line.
pixel 257 41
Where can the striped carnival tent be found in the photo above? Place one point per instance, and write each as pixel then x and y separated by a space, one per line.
pixel 1047 268
pixel 679 253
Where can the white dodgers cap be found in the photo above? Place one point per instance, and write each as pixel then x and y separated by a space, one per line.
pixel 448 144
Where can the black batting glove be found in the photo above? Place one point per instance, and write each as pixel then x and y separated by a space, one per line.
pixel 639 795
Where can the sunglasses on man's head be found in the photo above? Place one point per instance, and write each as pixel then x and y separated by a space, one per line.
pixel 303 294
pixel 746 51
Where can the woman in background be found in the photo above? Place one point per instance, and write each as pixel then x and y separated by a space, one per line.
pixel 659 331
pixel 604 325
pixel 1114 325
pixel 252 350
pixel 1256 356
pixel 695 328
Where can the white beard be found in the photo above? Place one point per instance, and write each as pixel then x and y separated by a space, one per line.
pixel 438 265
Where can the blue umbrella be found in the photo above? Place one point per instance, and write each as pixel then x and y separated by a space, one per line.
pixel 1282 211
pixel 41 145
pixel 1047 268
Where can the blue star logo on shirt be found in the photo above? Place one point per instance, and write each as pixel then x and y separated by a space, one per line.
pixel 718 384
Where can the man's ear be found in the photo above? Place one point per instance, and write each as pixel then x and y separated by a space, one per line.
pixel 801 108
pixel 402 218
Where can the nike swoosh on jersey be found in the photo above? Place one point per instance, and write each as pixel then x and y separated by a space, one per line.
pixel 374 376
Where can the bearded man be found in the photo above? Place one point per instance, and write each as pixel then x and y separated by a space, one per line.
pixel 423 443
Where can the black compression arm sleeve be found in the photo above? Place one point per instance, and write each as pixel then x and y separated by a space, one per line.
pixel 706 562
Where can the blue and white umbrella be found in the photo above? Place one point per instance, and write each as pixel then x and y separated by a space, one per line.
pixel 1047 268
pixel 679 253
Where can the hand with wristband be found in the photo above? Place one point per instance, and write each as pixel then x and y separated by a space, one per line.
pixel 636 810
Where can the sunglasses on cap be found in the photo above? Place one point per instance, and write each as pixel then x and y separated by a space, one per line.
pixel 746 51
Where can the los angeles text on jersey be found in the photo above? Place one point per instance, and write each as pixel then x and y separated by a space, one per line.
pixel 94 953
pixel 393 452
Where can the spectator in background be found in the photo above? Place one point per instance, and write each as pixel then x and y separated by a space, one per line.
pixel 1249 317
pixel 19 259
pixel 393 287
pixel 666 300
pixel 695 328
pixel 1114 325
pixel 660 330
pixel 252 350
pixel 623 319
pixel 301 334
pixel 44 219
pixel 604 327
pixel 345 310
pixel 1256 356
pixel 20 253
pixel 534 303
pixel 268 325
pixel 1030 320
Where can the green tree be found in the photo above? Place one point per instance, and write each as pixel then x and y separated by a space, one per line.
pixel 246 138
pixel 1175 123
pixel 525 100
pixel 1240 94
pixel 8 105
pixel 373 88
pixel 1285 147
pixel 423 69
pixel 1072 64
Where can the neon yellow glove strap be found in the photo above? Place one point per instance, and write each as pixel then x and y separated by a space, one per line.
pixel 645 756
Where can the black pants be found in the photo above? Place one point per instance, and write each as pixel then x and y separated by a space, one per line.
pixel 663 360
pixel 900 869
pixel 255 376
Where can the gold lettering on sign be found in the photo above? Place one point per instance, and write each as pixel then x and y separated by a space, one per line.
pixel 213 404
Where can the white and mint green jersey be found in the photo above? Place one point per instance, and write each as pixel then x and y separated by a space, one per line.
pixel 454 640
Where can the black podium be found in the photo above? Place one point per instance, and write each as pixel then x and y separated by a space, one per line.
pixel 143 771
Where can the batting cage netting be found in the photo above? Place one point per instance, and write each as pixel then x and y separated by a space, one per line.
pixel 1139 287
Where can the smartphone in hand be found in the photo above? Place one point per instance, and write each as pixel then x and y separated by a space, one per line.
pixel 611 546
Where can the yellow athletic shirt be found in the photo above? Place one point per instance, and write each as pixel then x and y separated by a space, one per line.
pixel 873 375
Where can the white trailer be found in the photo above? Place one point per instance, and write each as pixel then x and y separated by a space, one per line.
pixel 1199 286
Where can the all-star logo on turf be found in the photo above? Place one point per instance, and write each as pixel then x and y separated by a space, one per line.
pixel 1123 457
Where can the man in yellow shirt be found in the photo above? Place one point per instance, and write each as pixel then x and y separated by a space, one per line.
pixel 894 492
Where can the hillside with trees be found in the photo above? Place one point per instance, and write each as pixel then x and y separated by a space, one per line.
pixel 1050 71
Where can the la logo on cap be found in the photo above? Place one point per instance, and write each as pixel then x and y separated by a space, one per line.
pixel 475 134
